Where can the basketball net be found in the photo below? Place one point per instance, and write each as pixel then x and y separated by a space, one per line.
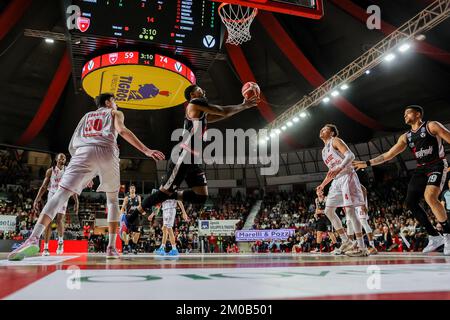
pixel 238 20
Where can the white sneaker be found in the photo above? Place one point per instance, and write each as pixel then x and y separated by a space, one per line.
pixel 434 242
pixel 346 246
pixel 45 253
pixel 60 249
pixel 357 253
pixel 447 244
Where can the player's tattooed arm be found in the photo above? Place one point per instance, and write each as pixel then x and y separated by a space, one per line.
pixel 398 148
pixel 378 160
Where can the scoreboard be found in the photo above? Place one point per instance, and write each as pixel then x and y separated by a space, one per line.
pixel 139 80
pixel 183 23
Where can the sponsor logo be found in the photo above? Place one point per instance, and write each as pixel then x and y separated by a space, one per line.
pixel 128 90
pixel 424 152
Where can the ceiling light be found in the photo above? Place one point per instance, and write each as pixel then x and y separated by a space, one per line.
pixel 389 57
pixel 335 93
pixel 303 115
pixel 289 124
pixel 283 128
pixel 344 86
pixel 296 119
pixel 368 71
pixel 49 40
pixel 404 47
pixel 326 100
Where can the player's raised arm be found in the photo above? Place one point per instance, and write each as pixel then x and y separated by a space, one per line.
pixel 216 113
pixel 119 123
pixel 398 148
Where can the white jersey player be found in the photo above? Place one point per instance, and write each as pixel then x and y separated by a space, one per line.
pixel 363 214
pixel 169 209
pixel 345 191
pixel 94 152
pixel 51 182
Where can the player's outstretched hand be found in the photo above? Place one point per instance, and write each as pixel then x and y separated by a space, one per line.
pixel 359 165
pixel 155 154
pixel 252 102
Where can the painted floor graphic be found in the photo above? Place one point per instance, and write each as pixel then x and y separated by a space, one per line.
pixel 239 283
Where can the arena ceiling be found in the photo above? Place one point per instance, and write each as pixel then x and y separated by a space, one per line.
pixel 29 64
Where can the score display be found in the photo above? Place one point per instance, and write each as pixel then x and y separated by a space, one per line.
pixel 138 80
pixel 183 23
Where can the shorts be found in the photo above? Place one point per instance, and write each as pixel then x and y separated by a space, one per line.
pixel 345 191
pixel 178 172
pixel 430 175
pixel 169 217
pixel 323 224
pixel 361 214
pixel 63 208
pixel 89 162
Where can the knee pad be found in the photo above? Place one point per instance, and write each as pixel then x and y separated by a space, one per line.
pixel 333 217
pixel 356 223
pixel 350 230
pixel 56 202
pixel 112 203
pixel 366 226
pixel 154 199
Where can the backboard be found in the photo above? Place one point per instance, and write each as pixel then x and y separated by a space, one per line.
pixel 312 9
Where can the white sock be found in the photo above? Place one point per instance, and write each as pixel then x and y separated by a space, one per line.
pixel 372 244
pixel 112 240
pixel 344 237
pixel 38 230
pixel 46 246
pixel 361 243
pixel 60 239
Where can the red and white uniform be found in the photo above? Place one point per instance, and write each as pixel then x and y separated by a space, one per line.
pixel 362 212
pixel 94 152
pixel 169 208
pixel 53 186
pixel 345 190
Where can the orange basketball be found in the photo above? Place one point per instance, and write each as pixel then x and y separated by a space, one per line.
pixel 250 89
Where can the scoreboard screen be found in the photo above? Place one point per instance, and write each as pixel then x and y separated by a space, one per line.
pixel 183 23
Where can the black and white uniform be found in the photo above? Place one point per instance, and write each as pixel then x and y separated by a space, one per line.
pixel 132 205
pixel 187 166
pixel 430 156
pixel 322 223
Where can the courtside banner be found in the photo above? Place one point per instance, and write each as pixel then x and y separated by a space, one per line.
pixel 264 235
pixel 218 227
pixel 8 223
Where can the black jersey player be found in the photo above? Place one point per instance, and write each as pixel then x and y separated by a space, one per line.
pixel 424 139
pixel 186 167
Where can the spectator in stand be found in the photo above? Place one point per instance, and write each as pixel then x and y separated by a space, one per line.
pixel 212 240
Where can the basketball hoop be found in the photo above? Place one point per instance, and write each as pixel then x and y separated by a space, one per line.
pixel 238 20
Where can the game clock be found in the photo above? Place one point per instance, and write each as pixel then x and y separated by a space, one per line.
pixel 181 23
